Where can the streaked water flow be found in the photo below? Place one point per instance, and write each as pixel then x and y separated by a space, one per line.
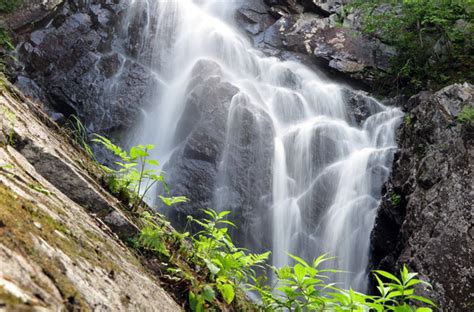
pixel 327 171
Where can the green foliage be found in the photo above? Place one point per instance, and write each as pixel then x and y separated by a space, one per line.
pixel 79 134
pixel 396 199
pixel 433 40
pixel 408 120
pixel 136 175
pixel 304 287
pixel 6 40
pixel 152 236
pixel 6 46
pixel 301 287
pixel 8 6
pixel 466 116
pixel 229 267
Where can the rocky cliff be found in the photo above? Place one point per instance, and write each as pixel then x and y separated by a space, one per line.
pixel 426 216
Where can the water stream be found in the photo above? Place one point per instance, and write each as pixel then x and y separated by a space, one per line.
pixel 326 169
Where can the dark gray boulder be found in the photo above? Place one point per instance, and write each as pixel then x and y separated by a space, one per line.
pixel 83 69
pixel 426 216
pixel 224 158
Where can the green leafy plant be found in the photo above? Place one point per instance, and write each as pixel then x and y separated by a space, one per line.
pixel 301 287
pixel 6 46
pixel 305 287
pixel 230 267
pixel 137 174
pixel 398 292
pixel 466 116
pixel 152 236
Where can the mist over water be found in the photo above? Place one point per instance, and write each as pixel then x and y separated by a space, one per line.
pixel 327 171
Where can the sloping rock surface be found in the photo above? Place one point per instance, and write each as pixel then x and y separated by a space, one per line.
pixel 59 248
pixel 426 216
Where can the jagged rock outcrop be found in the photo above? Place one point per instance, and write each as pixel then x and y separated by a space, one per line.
pixel 426 216
pixel 59 230
pixel 318 30
pixel 75 63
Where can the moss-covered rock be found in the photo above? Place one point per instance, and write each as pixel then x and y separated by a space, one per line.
pixel 54 252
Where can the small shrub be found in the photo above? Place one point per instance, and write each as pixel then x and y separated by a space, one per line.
pixel 229 267
pixel 134 175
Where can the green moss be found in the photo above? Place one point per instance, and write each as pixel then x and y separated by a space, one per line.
pixel 6 298
pixel 8 6
pixel 408 120
pixel 23 220
pixel 466 116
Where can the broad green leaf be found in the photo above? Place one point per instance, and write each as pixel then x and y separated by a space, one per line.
pixel 170 201
pixel 422 299
pixel 227 291
pixel 298 259
pixel 208 293
pixel 388 275
pixel 212 267
pixel 153 162
pixel 300 271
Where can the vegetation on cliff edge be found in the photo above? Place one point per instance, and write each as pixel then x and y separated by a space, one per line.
pixel 433 41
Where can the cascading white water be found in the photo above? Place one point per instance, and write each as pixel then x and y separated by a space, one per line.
pixel 327 171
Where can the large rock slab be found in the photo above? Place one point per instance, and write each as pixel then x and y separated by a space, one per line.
pixel 426 216
pixel 59 244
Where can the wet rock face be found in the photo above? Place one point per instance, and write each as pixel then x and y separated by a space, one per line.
pixel 81 69
pixel 426 216
pixel 214 130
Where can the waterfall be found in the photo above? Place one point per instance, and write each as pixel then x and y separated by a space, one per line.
pixel 326 170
